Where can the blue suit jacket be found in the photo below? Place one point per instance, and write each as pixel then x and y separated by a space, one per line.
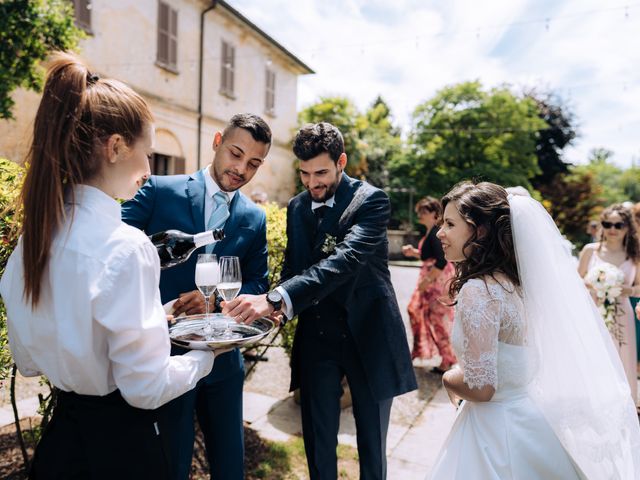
pixel 177 202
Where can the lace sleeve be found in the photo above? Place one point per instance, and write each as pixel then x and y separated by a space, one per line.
pixel 479 315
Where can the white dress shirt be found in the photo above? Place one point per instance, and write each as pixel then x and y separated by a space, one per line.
pixel 287 307
pixel 99 325
pixel 211 188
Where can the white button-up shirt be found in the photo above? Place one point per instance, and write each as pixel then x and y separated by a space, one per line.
pixel 99 325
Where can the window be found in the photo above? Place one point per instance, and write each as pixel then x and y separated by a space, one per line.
pixel 82 9
pixel 167 37
pixel 270 93
pixel 166 165
pixel 227 69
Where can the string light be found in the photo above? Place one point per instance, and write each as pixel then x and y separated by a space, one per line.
pixel 476 31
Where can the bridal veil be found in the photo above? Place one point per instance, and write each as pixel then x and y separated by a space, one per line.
pixel 579 383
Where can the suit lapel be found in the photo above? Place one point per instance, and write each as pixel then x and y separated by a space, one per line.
pixel 236 213
pixel 196 192
pixel 302 228
pixel 343 196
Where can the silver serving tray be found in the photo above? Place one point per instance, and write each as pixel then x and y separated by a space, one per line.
pixel 196 332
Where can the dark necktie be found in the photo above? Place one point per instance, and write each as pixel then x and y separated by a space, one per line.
pixel 319 213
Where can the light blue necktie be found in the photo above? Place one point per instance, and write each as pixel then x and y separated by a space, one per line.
pixel 219 214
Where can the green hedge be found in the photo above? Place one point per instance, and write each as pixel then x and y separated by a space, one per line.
pixel 11 176
pixel 277 242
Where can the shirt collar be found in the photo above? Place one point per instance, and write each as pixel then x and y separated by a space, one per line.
pixel 94 198
pixel 327 203
pixel 212 187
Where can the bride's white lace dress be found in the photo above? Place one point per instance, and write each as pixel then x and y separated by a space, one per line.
pixel 506 438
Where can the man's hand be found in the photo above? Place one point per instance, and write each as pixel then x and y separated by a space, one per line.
pixel 247 308
pixel 276 317
pixel 190 303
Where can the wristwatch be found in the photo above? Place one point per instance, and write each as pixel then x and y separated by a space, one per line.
pixel 275 300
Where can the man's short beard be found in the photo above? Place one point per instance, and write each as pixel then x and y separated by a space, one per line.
pixel 331 189
pixel 218 180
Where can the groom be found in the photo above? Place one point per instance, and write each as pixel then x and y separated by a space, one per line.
pixel 192 203
pixel 336 279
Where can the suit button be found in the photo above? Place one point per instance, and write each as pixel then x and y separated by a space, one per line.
pixel 317 316
pixel 315 301
pixel 321 333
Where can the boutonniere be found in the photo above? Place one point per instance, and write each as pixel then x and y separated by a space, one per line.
pixel 329 245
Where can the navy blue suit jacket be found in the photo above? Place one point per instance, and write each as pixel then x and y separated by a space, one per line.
pixel 353 280
pixel 177 202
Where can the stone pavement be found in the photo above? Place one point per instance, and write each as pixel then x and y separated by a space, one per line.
pixel 411 449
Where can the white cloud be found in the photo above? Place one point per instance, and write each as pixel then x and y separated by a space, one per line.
pixel 406 50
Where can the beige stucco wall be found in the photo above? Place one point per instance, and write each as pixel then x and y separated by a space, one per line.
pixel 123 46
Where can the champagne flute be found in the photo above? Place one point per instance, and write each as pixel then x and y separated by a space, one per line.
pixel 229 286
pixel 230 278
pixel 207 278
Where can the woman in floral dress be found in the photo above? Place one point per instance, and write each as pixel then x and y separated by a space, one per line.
pixel 429 310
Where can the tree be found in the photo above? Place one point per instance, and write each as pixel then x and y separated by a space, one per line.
pixel 606 174
pixel 630 184
pixel 557 134
pixel 382 142
pixel 29 30
pixel 572 200
pixel 465 132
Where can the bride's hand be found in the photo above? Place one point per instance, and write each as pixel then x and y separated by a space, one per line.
pixel 453 398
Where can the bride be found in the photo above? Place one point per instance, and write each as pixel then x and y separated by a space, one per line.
pixel 543 391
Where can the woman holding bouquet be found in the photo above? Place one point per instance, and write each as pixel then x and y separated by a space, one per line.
pixel 617 248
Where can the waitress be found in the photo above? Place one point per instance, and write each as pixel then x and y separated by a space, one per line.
pixel 81 288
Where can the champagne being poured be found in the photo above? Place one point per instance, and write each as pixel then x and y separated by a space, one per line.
pixel 175 247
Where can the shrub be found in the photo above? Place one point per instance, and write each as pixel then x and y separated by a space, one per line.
pixel 11 176
pixel 277 243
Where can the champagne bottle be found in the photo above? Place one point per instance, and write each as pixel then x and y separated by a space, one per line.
pixel 175 247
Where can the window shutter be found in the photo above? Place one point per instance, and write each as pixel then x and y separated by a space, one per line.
pixel 178 165
pixel 82 9
pixel 173 43
pixel 232 69
pixel 227 68
pixel 270 92
pixel 223 68
pixel 163 33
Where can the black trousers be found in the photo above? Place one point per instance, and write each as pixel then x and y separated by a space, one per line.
pixel 99 438
pixel 327 354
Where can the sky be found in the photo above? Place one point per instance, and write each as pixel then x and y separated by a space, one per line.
pixel 585 51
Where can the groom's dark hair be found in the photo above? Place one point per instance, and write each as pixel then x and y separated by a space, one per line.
pixel 317 138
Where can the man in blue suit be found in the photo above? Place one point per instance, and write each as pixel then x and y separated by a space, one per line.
pixel 335 277
pixel 193 203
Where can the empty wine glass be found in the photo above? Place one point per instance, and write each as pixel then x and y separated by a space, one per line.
pixel 229 286
pixel 207 278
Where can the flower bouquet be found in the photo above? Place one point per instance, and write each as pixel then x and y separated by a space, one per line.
pixel 607 281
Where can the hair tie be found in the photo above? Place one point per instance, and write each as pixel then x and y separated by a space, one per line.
pixel 92 78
